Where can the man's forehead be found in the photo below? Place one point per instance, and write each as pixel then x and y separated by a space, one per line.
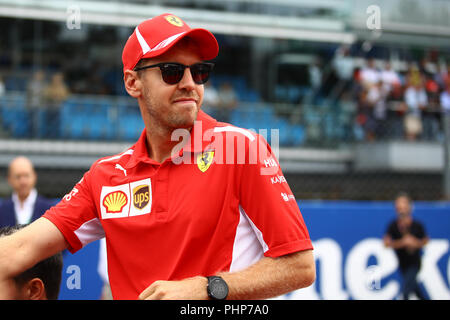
pixel 21 164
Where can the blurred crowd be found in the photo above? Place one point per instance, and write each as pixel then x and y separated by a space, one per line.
pixel 44 95
pixel 387 100
pixel 48 97
pixel 393 104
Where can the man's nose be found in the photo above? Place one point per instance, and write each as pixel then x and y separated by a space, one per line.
pixel 187 82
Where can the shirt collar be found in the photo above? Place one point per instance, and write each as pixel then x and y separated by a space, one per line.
pixel 30 200
pixel 197 141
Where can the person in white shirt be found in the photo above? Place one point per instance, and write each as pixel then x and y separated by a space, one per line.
pixel 445 100
pixel 445 110
pixel 389 77
pixel 344 66
pixel 25 205
pixel 416 101
pixel 369 74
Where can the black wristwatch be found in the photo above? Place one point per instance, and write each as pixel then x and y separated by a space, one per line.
pixel 217 288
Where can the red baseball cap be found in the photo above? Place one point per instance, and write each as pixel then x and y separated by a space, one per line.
pixel 155 36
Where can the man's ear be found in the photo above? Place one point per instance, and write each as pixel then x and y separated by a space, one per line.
pixel 133 83
pixel 35 290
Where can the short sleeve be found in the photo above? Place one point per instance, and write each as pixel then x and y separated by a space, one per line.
pixel 76 216
pixel 420 231
pixel 269 204
pixel 391 230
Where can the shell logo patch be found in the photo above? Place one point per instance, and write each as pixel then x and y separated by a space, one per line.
pixel 174 20
pixel 115 201
pixel 204 160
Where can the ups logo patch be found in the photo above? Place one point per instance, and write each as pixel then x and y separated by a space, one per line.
pixel 141 196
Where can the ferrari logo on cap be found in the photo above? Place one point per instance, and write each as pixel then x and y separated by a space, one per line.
pixel 205 160
pixel 174 20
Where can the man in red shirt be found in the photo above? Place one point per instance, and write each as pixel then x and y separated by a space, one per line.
pixel 196 209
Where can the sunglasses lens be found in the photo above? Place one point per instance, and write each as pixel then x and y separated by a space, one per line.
pixel 200 72
pixel 172 73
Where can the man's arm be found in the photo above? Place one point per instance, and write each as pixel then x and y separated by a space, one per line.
pixel 28 246
pixel 269 277
pixel 407 241
pixel 394 244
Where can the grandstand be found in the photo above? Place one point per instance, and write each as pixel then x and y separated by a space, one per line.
pixel 267 54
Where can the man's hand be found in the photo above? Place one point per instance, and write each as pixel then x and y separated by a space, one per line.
pixel 410 242
pixel 267 278
pixel 187 289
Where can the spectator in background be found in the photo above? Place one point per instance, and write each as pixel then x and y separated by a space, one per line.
pixel 343 66
pixel 445 100
pixel 445 109
pixel 55 94
pixel 40 282
pixel 426 67
pixel 35 100
pixel 407 237
pixel 416 101
pixel 2 87
pixel 392 85
pixel 25 205
pixel 315 77
pixel 210 99
pixel 227 102
pixel 389 78
pixel 369 74
pixel 413 75
pixel 444 76
pixel 431 115
pixel 364 118
pixel 348 109
pixel 376 101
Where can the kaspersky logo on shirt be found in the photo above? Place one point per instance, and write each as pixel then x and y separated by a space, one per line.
pixel 115 201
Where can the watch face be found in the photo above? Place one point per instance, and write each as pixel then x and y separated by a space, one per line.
pixel 218 289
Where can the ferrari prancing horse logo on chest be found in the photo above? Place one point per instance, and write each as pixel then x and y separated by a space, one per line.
pixel 204 160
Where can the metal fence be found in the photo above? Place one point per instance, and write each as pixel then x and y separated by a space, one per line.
pixel 329 124
pixel 327 151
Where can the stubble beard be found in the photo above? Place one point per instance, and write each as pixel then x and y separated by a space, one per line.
pixel 159 116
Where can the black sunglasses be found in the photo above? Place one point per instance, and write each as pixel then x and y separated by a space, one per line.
pixel 172 72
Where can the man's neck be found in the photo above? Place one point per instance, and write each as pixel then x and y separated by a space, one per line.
pixel 159 144
pixel 21 198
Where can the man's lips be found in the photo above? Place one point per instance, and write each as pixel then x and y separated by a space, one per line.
pixel 185 100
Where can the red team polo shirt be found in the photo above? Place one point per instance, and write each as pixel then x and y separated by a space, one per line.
pixel 220 203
